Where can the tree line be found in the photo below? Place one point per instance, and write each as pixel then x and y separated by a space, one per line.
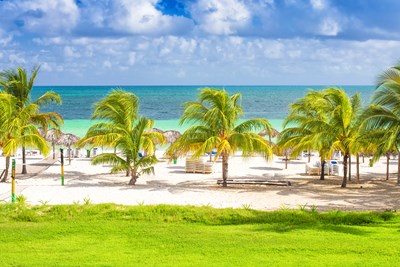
pixel 325 120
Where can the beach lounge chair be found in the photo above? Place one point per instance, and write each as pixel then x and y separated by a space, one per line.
pixel 313 168
pixel 197 165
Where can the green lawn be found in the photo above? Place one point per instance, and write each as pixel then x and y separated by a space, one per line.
pixel 114 235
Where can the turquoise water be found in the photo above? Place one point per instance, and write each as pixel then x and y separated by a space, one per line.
pixel 164 103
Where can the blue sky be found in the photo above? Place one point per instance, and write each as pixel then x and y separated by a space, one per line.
pixel 201 42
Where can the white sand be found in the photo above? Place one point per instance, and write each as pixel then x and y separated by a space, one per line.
pixel 172 185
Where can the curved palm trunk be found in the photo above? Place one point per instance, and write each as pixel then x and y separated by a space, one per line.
pixel 128 171
pixel 358 167
pixel 350 167
pixel 225 158
pixel 387 165
pixel 6 170
pixel 54 149
pixel 286 160
pixel 134 177
pixel 24 171
pixel 345 159
pixel 322 177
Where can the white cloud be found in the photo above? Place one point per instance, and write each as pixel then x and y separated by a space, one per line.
pixel 211 60
pixel 47 17
pixel 49 40
pixel 329 27
pixel 17 58
pixel 318 4
pixel 223 17
pixel 46 67
pixel 5 38
pixel 70 52
pixel 142 17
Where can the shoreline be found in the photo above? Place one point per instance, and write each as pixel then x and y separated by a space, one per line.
pixel 80 126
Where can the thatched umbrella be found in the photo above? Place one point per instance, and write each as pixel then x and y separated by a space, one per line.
pixel 171 136
pixel 68 140
pixel 274 133
pixel 156 130
pixel 52 136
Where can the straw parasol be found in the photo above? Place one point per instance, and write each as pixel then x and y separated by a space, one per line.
pixel 68 140
pixel 156 130
pixel 171 136
pixel 52 136
pixel 273 134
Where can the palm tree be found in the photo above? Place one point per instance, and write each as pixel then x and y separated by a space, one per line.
pixel 384 113
pixel 305 117
pixel 121 128
pixel 215 118
pixel 15 128
pixel 17 83
pixel 328 121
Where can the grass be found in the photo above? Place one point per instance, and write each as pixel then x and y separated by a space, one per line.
pixel 115 235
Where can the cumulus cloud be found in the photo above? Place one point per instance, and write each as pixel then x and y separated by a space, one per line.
pixel 329 27
pixel 41 16
pixel 224 41
pixel 221 16
pixel 70 52
pixel 222 59
pixel 142 17
pixel 318 4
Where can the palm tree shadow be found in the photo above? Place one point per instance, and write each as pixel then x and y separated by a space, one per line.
pixel 266 168
pixel 286 228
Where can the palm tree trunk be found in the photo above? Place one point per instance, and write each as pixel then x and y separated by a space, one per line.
pixel 6 170
pixel 134 178
pixel 69 154
pixel 24 171
pixel 322 177
pixel 225 157
pixel 350 167
pixel 363 157
pixel 358 167
pixel 128 171
pixel 345 159
pixel 286 160
pixel 387 165
pixel 54 149
pixel 398 168
pixel 309 156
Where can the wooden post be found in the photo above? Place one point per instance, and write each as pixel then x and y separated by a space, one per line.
pixel 62 166
pixel 13 181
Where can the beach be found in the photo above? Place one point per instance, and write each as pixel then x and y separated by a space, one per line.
pixel 172 185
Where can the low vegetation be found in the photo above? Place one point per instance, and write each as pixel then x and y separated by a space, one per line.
pixel 116 235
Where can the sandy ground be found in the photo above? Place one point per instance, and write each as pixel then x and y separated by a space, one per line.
pixel 172 185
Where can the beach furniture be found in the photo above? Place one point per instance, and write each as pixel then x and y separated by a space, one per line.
pixel 313 168
pixel 198 166
pixel 335 168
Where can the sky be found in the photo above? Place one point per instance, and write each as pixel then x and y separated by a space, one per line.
pixel 201 42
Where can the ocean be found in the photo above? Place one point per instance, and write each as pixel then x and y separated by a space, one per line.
pixel 164 103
